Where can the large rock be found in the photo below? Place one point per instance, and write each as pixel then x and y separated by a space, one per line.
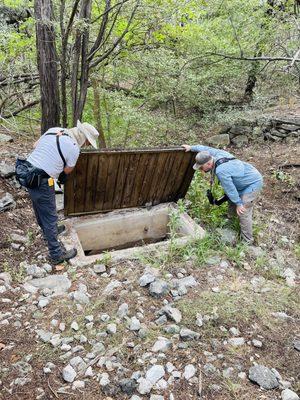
pixel 5 138
pixel 219 140
pixel 240 141
pixel 159 288
pixel 227 236
pixel 161 345
pixel 59 284
pixel 6 170
pixel 69 374
pixel 188 334
pixel 263 376
pixel 288 394
pixel 155 373
pixel 7 202
pixel 173 313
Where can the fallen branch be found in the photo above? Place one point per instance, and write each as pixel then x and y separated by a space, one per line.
pixel 25 107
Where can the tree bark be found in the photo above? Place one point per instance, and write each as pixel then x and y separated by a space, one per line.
pixel 47 64
pixel 97 113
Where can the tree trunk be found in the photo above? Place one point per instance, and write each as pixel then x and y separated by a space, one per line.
pixel 47 65
pixel 97 113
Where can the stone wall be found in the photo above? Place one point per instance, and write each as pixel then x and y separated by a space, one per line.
pixel 265 128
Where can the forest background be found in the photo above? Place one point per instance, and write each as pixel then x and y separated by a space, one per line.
pixel 145 72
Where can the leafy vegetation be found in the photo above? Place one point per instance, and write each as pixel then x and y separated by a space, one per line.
pixel 177 70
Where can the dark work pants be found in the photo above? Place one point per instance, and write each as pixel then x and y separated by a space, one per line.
pixel 44 206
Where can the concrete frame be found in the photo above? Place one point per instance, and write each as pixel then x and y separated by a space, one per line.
pixel 130 225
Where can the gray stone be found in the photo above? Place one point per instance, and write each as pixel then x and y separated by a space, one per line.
pixel 80 297
pixel 128 386
pixel 35 271
pixel 227 236
pixel 99 268
pixel 145 386
pixel 159 288
pixel 74 326
pixel 161 345
pixel 146 279
pixel 173 313
pixel 69 374
pixel 5 138
pixel 78 385
pixel 43 302
pixel 227 373
pixel 188 334
pixel 296 344
pixel 78 364
pixel 161 320
pixel 111 287
pixel 15 237
pixel 122 310
pixel 255 251
pixel 238 341
pixel 156 397
pixel 44 335
pixel 58 283
pixel 288 394
pixel 172 329
pixel 111 329
pixel 135 324
pixel 7 202
pixel 104 380
pixel 234 331
pixel 219 140
pixel 209 369
pixel 263 376
pixel 188 281
pixel 257 343
pixel 189 371
pixel 155 373
pixel 240 141
pixel 6 170
pixel 199 320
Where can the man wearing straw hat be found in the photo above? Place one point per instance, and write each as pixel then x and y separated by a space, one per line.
pixel 56 152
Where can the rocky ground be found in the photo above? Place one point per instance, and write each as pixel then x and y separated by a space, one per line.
pixel 216 320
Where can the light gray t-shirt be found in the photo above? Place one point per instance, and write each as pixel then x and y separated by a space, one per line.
pixel 46 156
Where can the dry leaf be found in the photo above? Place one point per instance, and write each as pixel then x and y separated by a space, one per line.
pixel 59 267
pixel 2 346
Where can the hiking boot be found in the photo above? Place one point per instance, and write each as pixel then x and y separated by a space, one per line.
pixel 61 229
pixel 65 256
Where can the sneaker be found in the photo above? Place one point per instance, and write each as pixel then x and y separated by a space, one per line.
pixel 66 255
pixel 61 229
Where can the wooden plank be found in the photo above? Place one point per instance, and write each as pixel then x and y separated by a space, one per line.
pixel 147 181
pixel 120 181
pixel 130 183
pixel 110 187
pixel 100 188
pixel 164 177
pixel 142 166
pixel 91 180
pixel 185 170
pixel 157 178
pixel 80 183
pixel 186 179
pixel 173 176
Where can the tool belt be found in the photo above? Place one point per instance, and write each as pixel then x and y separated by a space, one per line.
pixel 28 175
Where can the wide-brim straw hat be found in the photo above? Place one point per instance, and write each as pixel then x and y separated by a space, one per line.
pixel 82 132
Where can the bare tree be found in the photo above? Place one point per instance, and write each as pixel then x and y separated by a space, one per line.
pixel 47 64
pixel 82 49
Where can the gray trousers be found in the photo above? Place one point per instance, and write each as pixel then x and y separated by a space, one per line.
pixel 245 219
pixel 44 206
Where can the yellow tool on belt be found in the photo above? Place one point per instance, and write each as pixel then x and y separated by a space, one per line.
pixel 50 181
